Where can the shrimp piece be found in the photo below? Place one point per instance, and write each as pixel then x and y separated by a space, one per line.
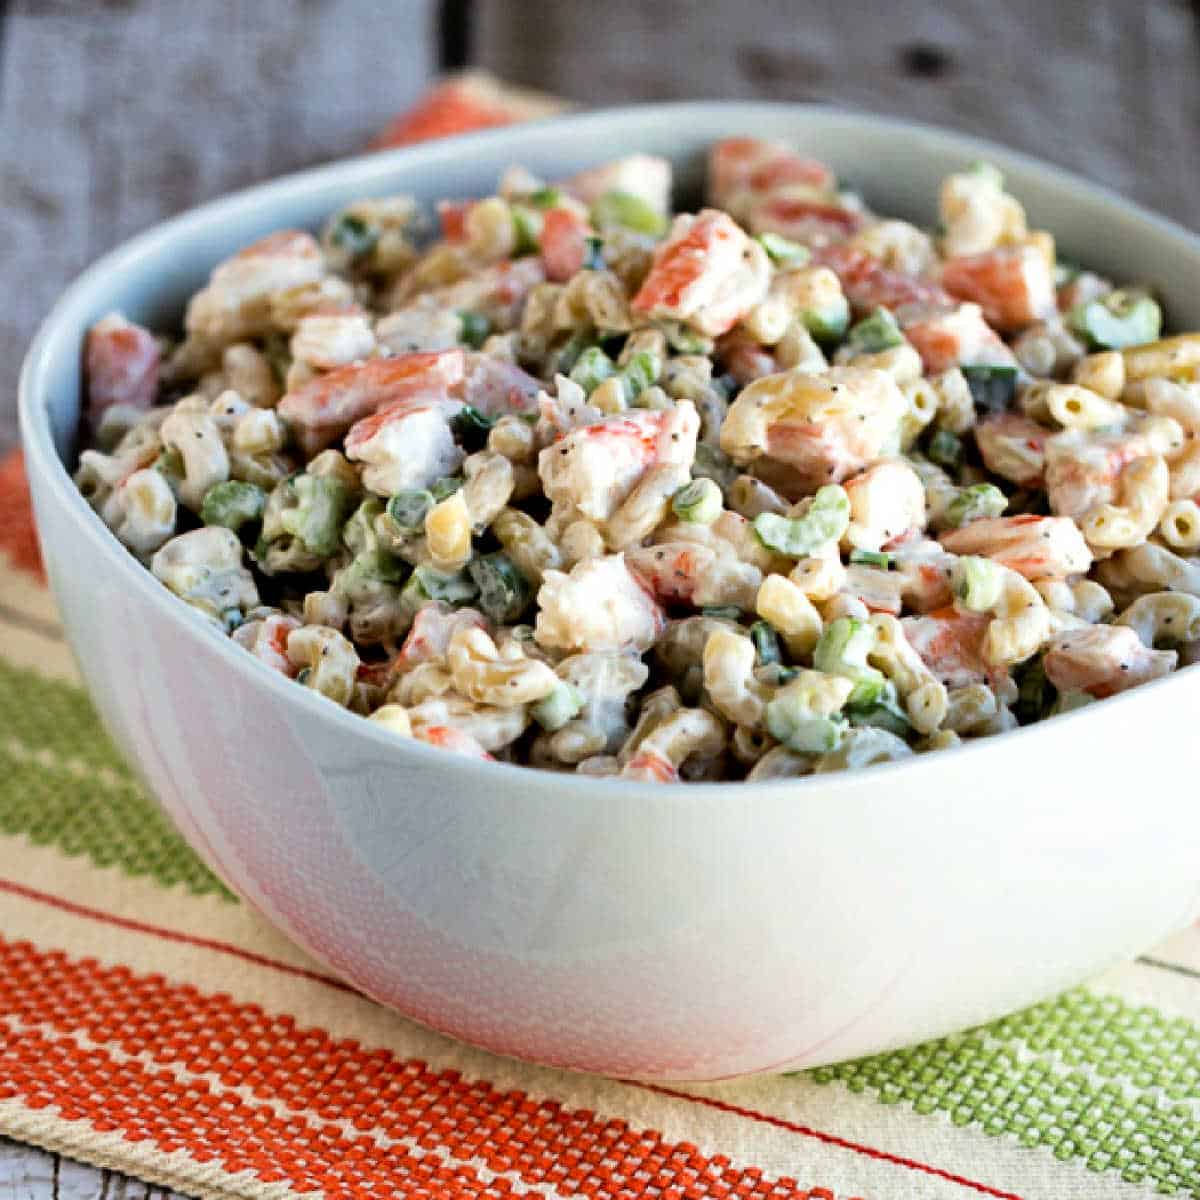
pixel 236 303
pixel 322 410
pixel 823 427
pixel 1103 660
pixel 122 362
pixel 691 573
pixel 955 335
pixel 898 246
pixel 497 292
pixel 707 273
pixel 266 638
pixel 594 468
pixel 1013 285
pixel 600 605
pixel 1083 470
pixel 951 645
pixel 1013 447
pixel 887 505
pixel 429 638
pixel 978 214
pixel 564 243
pixel 742 170
pixel 447 737
pixel 800 219
pixel 408 444
pixel 868 284
pixel 645 176
pixel 924 569
pixel 650 765
pixel 496 387
pixel 1035 547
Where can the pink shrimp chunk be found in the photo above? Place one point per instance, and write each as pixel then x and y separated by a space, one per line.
pixel 1014 447
pixel 1103 660
pixel 1012 285
pixel 1033 546
pixel 869 284
pixel 649 766
pixel 267 641
pixel 672 570
pixel 741 165
pixel 122 365
pixel 956 335
pixel 496 387
pixel 950 644
pixel 432 628
pixel 446 737
pixel 564 243
pixel 707 273
pixel 322 410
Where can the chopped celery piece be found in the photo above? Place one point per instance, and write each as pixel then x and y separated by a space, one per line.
pixel 232 504
pixel 976 583
pixel 825 521
pixel 882 713
pixel 784 251
pixel 800 729
pixel 875 333
pixel 972 503
pixel 562 705
pixel 527 230
pixel 1118 320
pixel 722 612
pixel 698 502
pixel 827 325
pixel 547 197
pixel 842 650
pixel 632 212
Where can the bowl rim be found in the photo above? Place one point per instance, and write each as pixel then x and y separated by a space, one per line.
pixel 41 456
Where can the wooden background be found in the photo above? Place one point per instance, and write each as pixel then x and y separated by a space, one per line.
pixel 113 115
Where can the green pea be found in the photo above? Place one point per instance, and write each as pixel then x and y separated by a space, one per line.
pixel 639 373
pixel 504 593
pixel 408 509
pixel 592 368
pixel 232 504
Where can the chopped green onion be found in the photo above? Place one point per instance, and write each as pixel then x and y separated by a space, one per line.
pixel 471 427
pixel 547 197
pixel 1120 319
pixel 626 209
pixel 639 373
pixel 842 650
pixel 456 587
pixel 699 502
pixel 562 705
pixel 592 368
pixel 945 449
pixel 714 464
pixel 504 593
pixel 875 333
pixel 992 388
pixel 232 504
pixel 976 583
pixel 446 486
pixel 276 348
pixel 1035 692
pixel 872 558
pixel 882 713
pixel 767 648
pixel 827 518
pixel 784 251
pixel 473 328
pixel 408 509
pixel 594 258
pixel 353 236
pixel 827 325
pixel 722 612
pixel 975 502
pixel 799 729
pixel 314 510
pixel 527 230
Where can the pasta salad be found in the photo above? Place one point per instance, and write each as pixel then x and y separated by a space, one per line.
pixel 778 487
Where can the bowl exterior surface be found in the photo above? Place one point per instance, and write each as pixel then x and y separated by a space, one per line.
pixel 693 933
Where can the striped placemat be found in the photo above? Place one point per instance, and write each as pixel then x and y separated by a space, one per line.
pixel 149 1022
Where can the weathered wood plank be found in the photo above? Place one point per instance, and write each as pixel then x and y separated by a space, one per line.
pixel 117 115
pixel 27 1173
pixel 1112 92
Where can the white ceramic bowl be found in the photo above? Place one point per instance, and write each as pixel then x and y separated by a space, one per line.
pixel 664 932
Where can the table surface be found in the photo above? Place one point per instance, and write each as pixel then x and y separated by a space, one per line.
pixel 118 114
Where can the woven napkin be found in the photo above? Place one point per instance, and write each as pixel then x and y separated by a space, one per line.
pixel 151 1023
